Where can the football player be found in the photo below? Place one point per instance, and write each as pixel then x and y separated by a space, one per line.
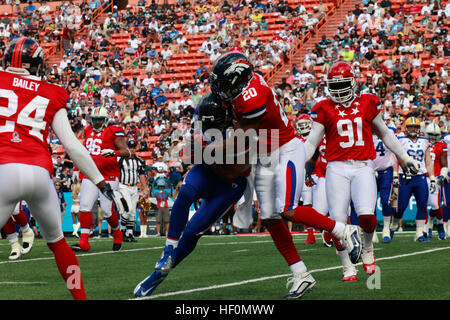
pixel 279 169
pixel 446 187
pixel 104 143
pixel 348 121
pixel 303 126
pixel 384 168
pixel 28 107
pixel 21 219
pixel 202 181
pixel 438 153
pixel 416 184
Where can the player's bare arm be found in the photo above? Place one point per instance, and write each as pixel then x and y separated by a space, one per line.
pixel 314 139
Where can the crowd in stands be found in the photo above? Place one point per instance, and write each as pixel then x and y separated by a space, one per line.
pixel 400 54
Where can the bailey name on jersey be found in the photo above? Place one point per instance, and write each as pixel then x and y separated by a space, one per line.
pixel 25 84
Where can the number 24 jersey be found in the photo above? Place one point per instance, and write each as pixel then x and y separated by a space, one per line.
pixel 27 108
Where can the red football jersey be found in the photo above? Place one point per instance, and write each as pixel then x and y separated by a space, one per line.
pixel 436 150
pixel 320 168
pixel 348 129
pixel 27 108
pixel 259 99
pixel 95 142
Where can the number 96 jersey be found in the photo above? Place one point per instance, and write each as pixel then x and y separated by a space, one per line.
pixel 95 142
pixel 348 129
pixel 416 150
pixel 27 108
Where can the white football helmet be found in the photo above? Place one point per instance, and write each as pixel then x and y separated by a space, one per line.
pixel 433 132
pixel 99 119
pixel 304 124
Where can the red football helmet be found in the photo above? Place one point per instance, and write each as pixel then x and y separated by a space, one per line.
pixel 304 124
pixel 341 82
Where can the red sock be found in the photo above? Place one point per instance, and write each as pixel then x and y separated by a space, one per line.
pixel 338 245
pixel 326 236
pixel 310 231
pixel 10 226
pixel 21 218
pixel 312 218
pixel 282 239
pixel 113 221
pixel 368 223
pixel 86 220
pixel 437 213
pixel 68 268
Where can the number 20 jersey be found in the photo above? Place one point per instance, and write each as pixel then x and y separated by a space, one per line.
pixel 348 129
pixel 27 108
pixel 259 99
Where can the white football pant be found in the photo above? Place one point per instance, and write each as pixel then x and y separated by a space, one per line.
pixel 89 193
pixel 34 185
pixel 130 194
pixel 350 181
pixel 279 184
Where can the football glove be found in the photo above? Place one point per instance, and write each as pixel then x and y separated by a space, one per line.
pixel 118 201
pixel 411 166
pixel 309 181
pixel 442 180
pixel 432 187
pixel 109 153
pixel 396 182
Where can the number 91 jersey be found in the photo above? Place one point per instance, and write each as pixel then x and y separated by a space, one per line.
pixel 259 99
pixel 416 150
pixel 348 129
pixel 27 108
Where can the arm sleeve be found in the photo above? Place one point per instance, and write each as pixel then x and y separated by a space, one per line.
pixel 388 138
pixel 314 139
pixel 74 148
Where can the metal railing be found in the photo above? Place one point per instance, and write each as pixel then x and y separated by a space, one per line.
pixel 280 66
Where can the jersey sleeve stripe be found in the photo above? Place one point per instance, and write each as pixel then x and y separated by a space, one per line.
pixel 254 113
pixel 119 133
pixel 313 114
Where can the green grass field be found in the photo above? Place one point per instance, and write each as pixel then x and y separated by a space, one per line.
pixel 231 268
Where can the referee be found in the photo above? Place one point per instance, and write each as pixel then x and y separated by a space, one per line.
pixel 132 171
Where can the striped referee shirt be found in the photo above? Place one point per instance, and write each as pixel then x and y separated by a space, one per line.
pixel 130 169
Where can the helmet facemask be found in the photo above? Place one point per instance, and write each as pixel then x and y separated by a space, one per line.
pixel 341 90
pixel 412 133
pixel 98 123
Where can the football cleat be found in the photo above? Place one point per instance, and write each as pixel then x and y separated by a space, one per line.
pixel 129 238
pixel 75 234
pixel 350 274
pixel 301 284
pixel 27 240
pixel 421 239
pixel 149 284
pixel 352 242
pixel 326 238
pixel 79 247
pixel 310 240
pixel 15 251
pixel 117 240
pixel 164 264
pixel 368 261
pixel 441 231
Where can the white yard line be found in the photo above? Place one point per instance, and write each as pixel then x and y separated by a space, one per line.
pixel 22 283
pixel 232 284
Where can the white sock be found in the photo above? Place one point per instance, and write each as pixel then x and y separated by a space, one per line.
pixel 386 221
pixel 419 227
pixel 13 237
pixel 367 240
pixel 298 267
pixel 25 228
pixel 172 242
pixel 345 259
pixel 338 230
